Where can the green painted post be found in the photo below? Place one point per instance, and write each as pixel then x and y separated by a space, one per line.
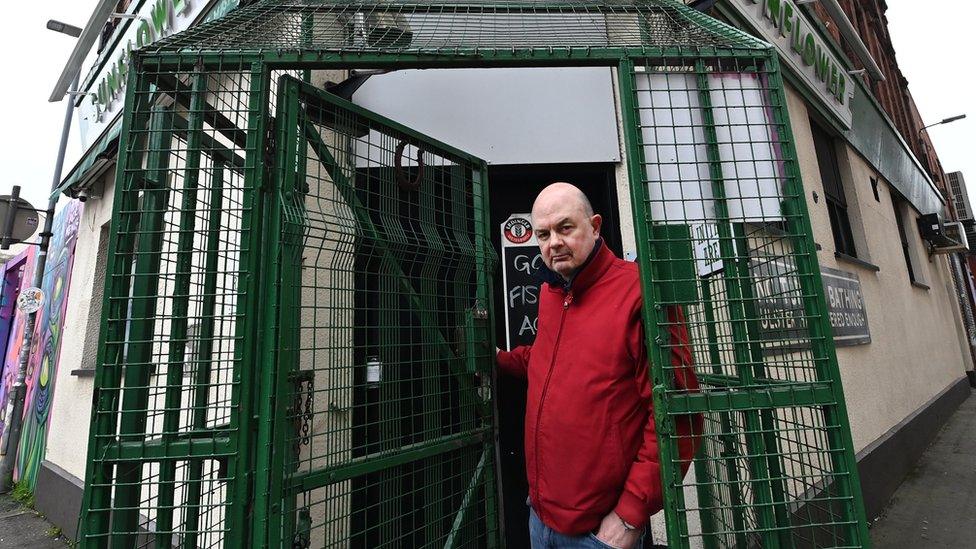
pixel 485 266
pixel 179 314
pixel 96 512
pixel 139 360
pixel 293 202
pixel 204 353
pixel 256 269
pixel 269 462
pixel 290 200
pixel 705 489
pixel 767 417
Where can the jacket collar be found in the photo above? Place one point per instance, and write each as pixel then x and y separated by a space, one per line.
pixel 592 269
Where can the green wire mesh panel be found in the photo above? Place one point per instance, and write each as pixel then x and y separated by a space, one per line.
pixel 383 324
pixel 164 456
pixel 730 263
pixel 468 28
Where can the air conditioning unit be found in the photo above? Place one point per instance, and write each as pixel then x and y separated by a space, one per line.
pixel 970 225
pixel 954 230
pixel 944 237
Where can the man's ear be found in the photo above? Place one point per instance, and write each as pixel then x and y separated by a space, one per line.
pixel 596 222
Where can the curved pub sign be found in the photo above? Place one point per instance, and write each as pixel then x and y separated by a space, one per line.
pixel 783 24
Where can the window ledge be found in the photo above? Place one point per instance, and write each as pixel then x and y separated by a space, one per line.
pixel 855 261
pixel 83 372
pixel 921 285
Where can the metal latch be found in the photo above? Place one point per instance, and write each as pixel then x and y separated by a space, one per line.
pixel 475 333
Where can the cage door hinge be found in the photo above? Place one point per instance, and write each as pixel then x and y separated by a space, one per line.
pixel 303 537
pixel 270 142
pixel 270 154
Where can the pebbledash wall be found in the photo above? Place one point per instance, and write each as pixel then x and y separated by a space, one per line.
pixel 900 385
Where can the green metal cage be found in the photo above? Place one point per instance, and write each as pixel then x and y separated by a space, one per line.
pixel 296 346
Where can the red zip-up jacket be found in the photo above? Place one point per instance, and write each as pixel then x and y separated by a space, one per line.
pixel 590 441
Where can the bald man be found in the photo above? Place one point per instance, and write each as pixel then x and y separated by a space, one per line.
pixel 590 443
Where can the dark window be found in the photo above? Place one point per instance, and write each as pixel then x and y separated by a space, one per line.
pixel 840 221
pixel 89 352
pixel 896 203
pixel 109 28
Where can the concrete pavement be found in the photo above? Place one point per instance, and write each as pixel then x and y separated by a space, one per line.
pixel 21 527
pixel 936 504
pixel 935 507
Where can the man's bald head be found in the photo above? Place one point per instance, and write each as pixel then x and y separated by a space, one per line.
pixel 563 192
pixel 565 226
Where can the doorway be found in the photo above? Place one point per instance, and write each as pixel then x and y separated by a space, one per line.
pixel 512 189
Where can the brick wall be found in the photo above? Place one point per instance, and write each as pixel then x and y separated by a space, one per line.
pixel 868 17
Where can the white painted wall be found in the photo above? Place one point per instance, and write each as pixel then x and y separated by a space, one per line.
pixel 504 116
pixel 67 443
pixel 915 348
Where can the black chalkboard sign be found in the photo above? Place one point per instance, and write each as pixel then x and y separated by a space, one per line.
pixel 520 261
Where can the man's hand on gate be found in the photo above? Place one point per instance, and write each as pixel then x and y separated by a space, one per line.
pixel 613 533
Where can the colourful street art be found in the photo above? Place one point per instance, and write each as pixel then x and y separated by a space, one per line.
pixel 18 274
pixel 45 345
pixel 11 274
pixel 47 342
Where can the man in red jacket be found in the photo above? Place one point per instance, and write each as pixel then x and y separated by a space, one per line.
pixel 590 442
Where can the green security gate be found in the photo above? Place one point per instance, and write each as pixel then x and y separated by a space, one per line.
pixel 382 325
pixel 297 299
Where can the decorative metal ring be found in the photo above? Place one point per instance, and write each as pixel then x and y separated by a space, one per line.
pixel 402 180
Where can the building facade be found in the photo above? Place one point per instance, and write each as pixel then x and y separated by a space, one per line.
pixel 900 328
pixel 865 208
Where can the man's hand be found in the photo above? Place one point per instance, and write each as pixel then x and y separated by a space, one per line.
pixel 613 533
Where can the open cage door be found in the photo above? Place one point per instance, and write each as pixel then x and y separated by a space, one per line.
pixel 732 288
pixel 381 433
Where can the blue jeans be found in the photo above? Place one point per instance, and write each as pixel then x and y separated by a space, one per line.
pixel 543 537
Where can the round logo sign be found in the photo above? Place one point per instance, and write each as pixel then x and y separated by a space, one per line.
pixel 518 230
pixel 30 300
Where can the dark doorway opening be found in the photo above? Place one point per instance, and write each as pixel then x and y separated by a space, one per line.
pixel 512 190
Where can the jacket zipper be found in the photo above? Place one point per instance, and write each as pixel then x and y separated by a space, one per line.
pixel 545 390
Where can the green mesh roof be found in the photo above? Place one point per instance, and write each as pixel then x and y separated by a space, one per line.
pixel 466 27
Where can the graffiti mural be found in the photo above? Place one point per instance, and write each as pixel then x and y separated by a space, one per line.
pixel 11 273
pixel 18 274
pixel 47 342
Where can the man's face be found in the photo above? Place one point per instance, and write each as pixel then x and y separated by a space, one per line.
pixel 566 234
